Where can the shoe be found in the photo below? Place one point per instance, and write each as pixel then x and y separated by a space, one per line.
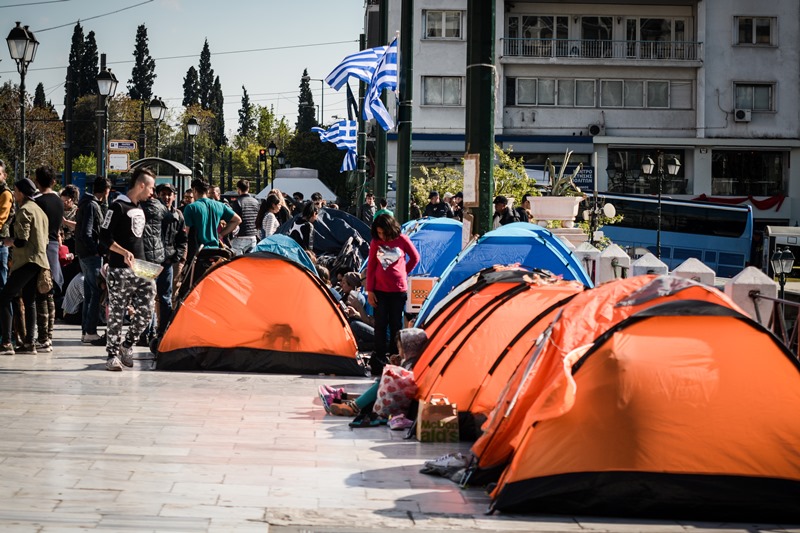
pixel 327 399
pixel 451 460
pixel 337 394
pixel 100 341
pixel 126 355
pixel 46 346
pixel 27 349
pixel 113 364
pixel 88 338
pixel 370 420
pixel 343 409
pixel 7 349
pixel 400 422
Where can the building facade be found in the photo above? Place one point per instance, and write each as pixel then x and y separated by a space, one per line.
pixel 713 83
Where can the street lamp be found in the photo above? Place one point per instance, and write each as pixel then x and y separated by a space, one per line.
pixel 321 98
pixel 192 128
pixel 22 46
pixel 648 166
pixel 272 150
pixel 106 87
pixel 157 111
pixel 281 159
pixel 782 263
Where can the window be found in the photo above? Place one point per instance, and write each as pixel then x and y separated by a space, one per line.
pixel 657 38
pixel 658 94
pixel 550 92
pixel 611 93
pixel 755 96
pixel 755 30
pixel 441 90
pixel 533 36
pixel 584 93
pixel 442 24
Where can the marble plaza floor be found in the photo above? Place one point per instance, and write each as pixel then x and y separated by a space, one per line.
pixel 83 449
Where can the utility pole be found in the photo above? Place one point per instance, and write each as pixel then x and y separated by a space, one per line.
pixel 381 143
pixel 406 87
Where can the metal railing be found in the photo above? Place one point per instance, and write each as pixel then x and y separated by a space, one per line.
pixel 778 322
pixel 602 49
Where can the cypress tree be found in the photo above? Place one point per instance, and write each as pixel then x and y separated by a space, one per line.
pixel 216 103
pixel 39 98
pixel 306 117
pixel 140 86
pixel 87 77
pixel 191 88
pixel 75 57
pixel 247 122
pixel 206 76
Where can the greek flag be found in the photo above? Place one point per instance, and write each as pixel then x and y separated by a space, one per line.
pixel 385 77
pixel 360 65
pixel 343 135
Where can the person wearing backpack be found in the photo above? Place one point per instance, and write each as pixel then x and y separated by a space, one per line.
pixel 502 213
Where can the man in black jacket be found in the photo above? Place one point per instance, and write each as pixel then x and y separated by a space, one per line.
pixel 436 208
pixel 502 213
pixel 173 235
pixel 90 216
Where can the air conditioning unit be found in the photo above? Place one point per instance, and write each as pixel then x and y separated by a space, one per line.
pixel 741 115
pixel 597 129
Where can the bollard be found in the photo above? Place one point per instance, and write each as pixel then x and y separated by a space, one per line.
pixel 649 264
pixel 614 263
pixel 588 256
pixel 748 280
pixel 695 270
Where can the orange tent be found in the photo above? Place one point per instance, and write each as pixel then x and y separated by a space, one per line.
pixel 477 341
pixel 541 376
pixel 260 312
pixel 685 409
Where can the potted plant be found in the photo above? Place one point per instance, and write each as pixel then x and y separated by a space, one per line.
pixel 563 198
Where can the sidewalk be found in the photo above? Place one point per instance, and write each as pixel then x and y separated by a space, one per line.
pixel 138 450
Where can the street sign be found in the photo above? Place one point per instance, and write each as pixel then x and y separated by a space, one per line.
pixel 119 162
pixel 122 146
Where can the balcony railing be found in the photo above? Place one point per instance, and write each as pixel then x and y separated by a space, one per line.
pixel 599 49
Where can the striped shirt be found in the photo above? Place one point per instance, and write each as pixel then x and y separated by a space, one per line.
pixel 246 206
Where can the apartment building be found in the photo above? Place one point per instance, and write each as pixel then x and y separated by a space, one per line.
pixel 713 83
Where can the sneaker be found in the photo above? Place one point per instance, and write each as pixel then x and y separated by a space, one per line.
pixel 7 349
pixel 99 341
pixel 337 394
pixel 113 364
pixel 400 422
pixel 28 349
pixel 126 355
pixel 327 399
pixel 88 338
pixel 46 346
pixel 451 460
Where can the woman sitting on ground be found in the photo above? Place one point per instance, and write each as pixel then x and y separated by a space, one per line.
pixel 411 343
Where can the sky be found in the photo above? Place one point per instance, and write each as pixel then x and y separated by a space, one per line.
pixel 261 44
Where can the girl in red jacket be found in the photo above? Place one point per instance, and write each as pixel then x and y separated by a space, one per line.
pixel 387 270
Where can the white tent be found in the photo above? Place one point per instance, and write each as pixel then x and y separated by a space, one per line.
pixel 304 180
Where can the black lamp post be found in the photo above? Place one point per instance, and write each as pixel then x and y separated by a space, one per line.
pixel 782 263
pixel 648 166
pixel 271 151
pixel 281 159
pixel 22 46
pixel 192 128
pixel 106 87
pixel 157 111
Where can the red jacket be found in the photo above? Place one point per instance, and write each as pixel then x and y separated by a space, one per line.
pixel 387 267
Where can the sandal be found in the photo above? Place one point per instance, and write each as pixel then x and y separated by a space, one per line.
pixel 347 408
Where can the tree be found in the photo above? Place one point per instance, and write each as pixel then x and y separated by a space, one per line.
pixel 305 150
pixel 87 78
pixel 39 98
pixel 191 88
pixel 216 106
pixel 247 122
pixel 140 86
pixel 75 61
pixel 205 77
pixel 306 118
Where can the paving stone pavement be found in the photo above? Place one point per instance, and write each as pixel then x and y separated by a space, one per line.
pixel 83 449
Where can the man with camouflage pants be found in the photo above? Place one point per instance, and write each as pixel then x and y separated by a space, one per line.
pixel 121 232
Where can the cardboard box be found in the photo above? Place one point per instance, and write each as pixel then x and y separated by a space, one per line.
pixel 419 287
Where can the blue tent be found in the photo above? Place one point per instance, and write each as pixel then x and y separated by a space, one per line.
pixel 438 241
pixel 287 247
pixel 529 245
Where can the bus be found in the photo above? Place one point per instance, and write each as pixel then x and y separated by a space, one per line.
pixel 719 235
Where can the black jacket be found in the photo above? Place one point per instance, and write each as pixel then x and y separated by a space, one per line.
pixel 507 216
pixel 174 236
pixel 442 209
pixel 154 212
pixel 87 227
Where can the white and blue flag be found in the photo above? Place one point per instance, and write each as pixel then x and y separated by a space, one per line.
pixel 385 77
pixel 343 134
pixel 360 65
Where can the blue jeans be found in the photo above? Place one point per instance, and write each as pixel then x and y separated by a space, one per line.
pixel 164 298
pixel 4 270
pixel 90 266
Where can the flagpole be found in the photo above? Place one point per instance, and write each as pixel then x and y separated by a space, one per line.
pixel 406 94
pixel 361 144
pixel 381 143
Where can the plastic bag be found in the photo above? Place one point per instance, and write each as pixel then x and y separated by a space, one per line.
pixel 395 391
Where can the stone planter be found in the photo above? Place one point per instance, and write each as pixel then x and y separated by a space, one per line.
pixel 562 208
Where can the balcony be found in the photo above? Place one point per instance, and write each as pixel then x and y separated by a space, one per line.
pixel 592 50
